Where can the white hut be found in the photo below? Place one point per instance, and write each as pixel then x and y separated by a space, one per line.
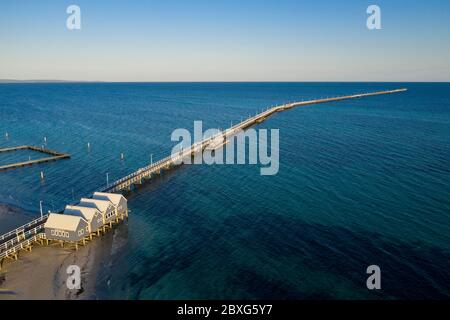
pixel 104 206
pixel 65 227
pixel 118 200
pixel 92 215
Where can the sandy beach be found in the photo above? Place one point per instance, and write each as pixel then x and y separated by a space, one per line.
pixel 42 273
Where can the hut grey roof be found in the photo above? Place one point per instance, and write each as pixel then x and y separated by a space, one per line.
pixel 85 212
pixel 63 222
pixel 101 205
pixel 113 197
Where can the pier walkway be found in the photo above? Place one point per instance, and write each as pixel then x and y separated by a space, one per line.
pixel 22 238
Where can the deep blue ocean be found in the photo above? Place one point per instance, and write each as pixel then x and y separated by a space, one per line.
pixel 361 182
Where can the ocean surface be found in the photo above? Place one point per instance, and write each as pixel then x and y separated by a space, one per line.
pixel 361 182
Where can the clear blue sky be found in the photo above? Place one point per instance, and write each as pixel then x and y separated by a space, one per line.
pixel 225 40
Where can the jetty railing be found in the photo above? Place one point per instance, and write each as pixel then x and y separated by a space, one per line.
pixel 21 246
pixel 23 227
pixel 20 236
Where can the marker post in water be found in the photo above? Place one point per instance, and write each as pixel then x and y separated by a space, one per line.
pixel 40 207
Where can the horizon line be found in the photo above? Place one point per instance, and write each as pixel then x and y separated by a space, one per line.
pixel 210 81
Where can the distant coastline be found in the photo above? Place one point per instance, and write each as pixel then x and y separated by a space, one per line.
pixel 8 81
pixel 43 81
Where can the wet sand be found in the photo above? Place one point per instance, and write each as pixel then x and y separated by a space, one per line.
pixel 41 274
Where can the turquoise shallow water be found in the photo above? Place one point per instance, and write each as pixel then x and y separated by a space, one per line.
pixel 361 182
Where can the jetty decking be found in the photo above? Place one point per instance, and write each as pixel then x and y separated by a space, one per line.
pixel 22 238
pixel 54 156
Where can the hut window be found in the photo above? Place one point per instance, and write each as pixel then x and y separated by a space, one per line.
pixel 60 233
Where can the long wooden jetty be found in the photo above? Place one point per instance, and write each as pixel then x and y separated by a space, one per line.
pixel 24 236
pixel 54 155
pixel 142 174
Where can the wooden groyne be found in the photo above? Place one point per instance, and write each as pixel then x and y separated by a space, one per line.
pixel 55 155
